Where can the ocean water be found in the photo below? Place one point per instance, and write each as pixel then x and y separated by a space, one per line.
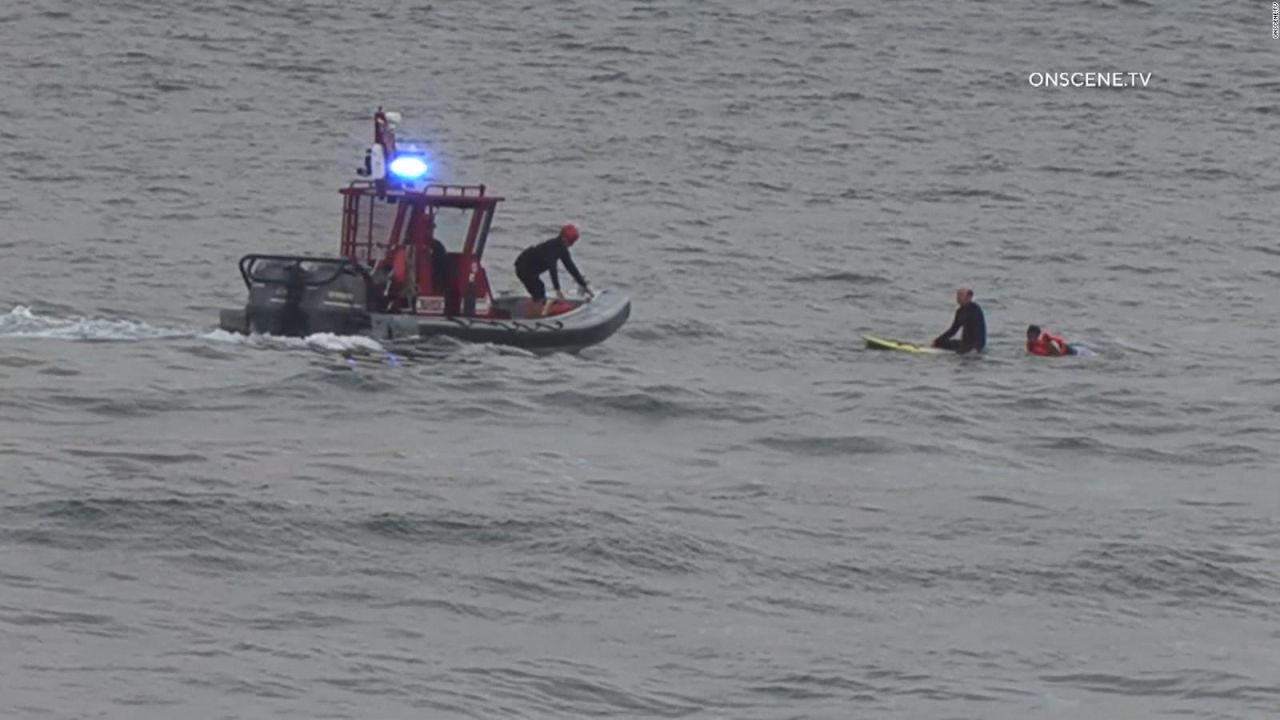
pixel 730 509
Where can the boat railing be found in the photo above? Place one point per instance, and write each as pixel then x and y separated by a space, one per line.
pixel 446 190
pixel 430 190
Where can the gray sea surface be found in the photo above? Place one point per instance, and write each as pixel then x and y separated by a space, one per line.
pixel 730 509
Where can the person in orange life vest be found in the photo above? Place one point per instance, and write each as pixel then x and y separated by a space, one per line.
pixel 543 257
pixel 1040 342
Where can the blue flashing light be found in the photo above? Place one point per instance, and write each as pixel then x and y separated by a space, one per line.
pixel 408 167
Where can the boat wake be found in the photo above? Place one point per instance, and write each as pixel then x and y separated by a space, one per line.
pixel 23 323
pixel 320 342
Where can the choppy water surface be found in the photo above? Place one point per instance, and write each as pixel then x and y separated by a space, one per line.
pixel 730 509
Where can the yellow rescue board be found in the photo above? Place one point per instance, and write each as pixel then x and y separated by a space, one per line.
pixel 876 343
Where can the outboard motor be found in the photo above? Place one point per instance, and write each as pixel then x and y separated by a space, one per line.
pixel 293 320
pixel 299 296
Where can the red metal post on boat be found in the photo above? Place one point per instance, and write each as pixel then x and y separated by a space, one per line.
pixel 416 239
pixel 469 263
pixel 395 238
pixel 346 247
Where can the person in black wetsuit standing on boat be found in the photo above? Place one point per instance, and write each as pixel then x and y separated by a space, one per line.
pixel 970 321
pixel 544 257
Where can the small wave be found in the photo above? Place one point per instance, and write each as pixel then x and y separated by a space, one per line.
pixel 1207 454
pixel 290 68
pixel 1002 500
pixel 458 528
pixel 596 539
pixel 1139 269
pixel 1195 502
pixel 1192 683
pixel 577 693
pixel 806 686
pixel 1209 173
pixel 1149 573
pixel 642 403
pixel 149 458
pixel 680 332
pixel 1205 575
pixel 226 534
pixel 642 548
pixel 665 402
pixel 840 276
pixel 830 446
pixel 960 194
pixel 19 362
pixel 92 623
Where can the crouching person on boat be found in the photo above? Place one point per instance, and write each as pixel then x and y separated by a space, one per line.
pixel 543 257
